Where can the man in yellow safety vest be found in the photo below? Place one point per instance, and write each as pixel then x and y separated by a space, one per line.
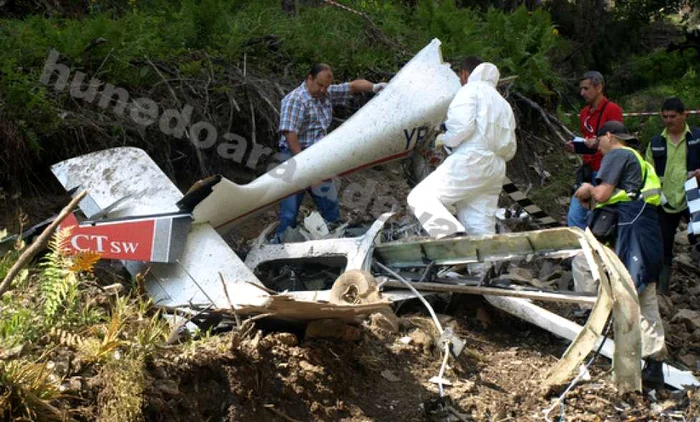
pixel 629 189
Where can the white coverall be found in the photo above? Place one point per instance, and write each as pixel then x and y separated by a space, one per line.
pixel 481 131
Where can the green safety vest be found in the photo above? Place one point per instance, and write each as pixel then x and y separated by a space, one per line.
pixel 651 189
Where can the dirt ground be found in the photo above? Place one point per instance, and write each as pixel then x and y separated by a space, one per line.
pixel 381 376
pixel 277 373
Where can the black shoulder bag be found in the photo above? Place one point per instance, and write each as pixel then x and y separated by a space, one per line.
pixel 603 223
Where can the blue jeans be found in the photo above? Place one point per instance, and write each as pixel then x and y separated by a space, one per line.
pixel 324 195
pixel 577 213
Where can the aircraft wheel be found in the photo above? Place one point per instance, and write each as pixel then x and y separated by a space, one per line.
pixel 354 287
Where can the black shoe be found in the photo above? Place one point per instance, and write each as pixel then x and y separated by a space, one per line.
pixel 582 313
pixel 653 374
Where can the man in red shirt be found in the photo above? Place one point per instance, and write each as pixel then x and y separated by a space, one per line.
pixel 598 110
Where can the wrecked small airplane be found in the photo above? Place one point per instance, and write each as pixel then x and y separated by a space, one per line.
pixel 135 214
pixel 149 216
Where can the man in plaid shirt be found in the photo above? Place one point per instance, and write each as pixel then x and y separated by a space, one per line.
pixel 305 116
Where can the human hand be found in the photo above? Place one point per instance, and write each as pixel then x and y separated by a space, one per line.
pixel 440 141
pixel 570 146
pixel 378 87
pixel 694 173
pixel 591 143
pixel 583 193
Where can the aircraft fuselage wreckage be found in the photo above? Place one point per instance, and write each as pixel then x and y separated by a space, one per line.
pixel 135 214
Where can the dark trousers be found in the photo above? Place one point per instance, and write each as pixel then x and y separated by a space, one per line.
pixel 324 195
pixel 637 244
pixel 669 224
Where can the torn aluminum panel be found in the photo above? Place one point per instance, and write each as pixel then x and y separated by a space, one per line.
pixel 626 322
pixel 544 296
pixel 586 339
pixel 549 243
pixel 113 174
pixel 404 114
pixel 415 252
pixel 569 330
pixel 286 307
pixel 356 250
pixel 194 278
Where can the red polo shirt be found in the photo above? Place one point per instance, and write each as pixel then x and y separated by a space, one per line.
pixel 589 121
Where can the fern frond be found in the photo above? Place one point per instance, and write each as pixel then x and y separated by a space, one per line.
pixel 66 338
pixel 84 261
pixel 58 244
pixel 59 284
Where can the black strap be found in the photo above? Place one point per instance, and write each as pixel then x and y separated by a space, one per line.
pixel 600 116
pixel 638 192
pixel 591 151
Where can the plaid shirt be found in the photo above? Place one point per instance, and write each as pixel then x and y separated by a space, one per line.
pixel 309 117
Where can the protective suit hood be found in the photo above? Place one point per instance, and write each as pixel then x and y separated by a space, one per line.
pixel 485 72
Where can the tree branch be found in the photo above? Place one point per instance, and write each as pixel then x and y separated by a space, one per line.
pixel 38 244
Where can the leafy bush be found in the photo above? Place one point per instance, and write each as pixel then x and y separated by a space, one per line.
pixel 119 42
pixel 660 75
pixel 659 67
pixel 651 99
pixel 520 43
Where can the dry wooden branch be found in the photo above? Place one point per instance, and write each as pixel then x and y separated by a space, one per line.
pixel 230 304
pixel 94 43
pixel 271 408
pixel 547 117
pixel 200 157
pixel 111 50
pixel 55 413
pixel 252 119
pixel 689 266
pixel 29 253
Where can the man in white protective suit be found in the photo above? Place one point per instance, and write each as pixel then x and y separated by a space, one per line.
pixel 481 133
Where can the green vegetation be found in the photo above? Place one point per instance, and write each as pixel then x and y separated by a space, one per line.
pixel 232 60
pixel 26 389
pixel 227 30
pixel 54 308
pixel 141 46
pixel 663 75
pixel 204 52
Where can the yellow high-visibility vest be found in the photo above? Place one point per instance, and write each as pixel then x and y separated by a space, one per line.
pixel 651 189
